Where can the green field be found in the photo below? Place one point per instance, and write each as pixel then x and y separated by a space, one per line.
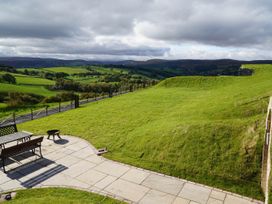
pixel 60 196
pixel 3 105
pixel 41 90
pixel 105 70
pixel 28 84
pixel 205 129
pixel 25 84
pixel 33 80
pixel 68 70
pixel 30 80
pixel 85 80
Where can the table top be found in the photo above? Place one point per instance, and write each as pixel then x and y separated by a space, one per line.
pixel 14 136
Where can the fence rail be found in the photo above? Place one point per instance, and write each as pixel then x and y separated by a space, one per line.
pixel 35 114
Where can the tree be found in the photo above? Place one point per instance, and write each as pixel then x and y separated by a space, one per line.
pixel 26 72
pixel 9 78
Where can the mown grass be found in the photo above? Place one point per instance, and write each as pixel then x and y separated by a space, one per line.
pixel 68 70
pixel 60 196
pixel 205 129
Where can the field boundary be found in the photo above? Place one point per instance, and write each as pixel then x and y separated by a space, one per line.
pixel 13 119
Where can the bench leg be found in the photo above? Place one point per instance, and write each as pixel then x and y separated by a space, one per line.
pixel 41 152
pixel 3 165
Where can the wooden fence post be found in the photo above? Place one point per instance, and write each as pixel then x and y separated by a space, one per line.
pixel 31 113
pixel 76 101
pixel 59 106
pixel 14 117
pixel 46 110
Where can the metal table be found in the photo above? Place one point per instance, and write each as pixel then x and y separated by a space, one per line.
pixel 14 137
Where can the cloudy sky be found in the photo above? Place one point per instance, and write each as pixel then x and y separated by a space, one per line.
pixel 136 29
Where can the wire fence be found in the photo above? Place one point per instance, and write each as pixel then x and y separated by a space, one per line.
pixel 46 111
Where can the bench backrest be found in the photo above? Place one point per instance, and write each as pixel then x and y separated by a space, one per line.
pixel 8 129
pixel 22 147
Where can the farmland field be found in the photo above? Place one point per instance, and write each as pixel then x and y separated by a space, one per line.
pixel 41 90
pixel 205 129
pixel 27 84
pixel 32 80
pixel 68 70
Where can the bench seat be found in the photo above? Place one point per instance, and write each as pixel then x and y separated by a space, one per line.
pixel 29 145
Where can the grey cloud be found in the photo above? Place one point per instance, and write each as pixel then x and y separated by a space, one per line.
pixel 222 23
pixel 71 27
pixel 34 31
pixel 70 47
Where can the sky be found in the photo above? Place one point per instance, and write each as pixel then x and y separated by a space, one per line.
pixel 136 29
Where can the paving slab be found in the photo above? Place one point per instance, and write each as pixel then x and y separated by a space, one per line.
pixel 219 195
pixel 74 147
pixel 91 177
pixel 195 193
pixel 79 168
pixel 135 175
pixel 11 185
pixel 230 199
pixel 155 197
pixel 179 200
pixel 112 168
pixel 163 184
pixel 105 182
pixel 83 153
pixel 95 159
pixel 68 160
pixel 128 190
pixel 8 177
pixel 56 155
pixel 65 180
pixel 214 201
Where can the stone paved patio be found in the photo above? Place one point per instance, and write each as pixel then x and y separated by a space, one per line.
pixel 72 162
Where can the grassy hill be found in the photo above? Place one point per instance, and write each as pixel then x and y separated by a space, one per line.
pixel 205 129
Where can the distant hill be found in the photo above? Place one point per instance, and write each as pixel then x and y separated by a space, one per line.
pixel 25 62
pixel 154 68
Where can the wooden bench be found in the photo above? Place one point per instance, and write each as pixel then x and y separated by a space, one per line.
pixel 30 145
